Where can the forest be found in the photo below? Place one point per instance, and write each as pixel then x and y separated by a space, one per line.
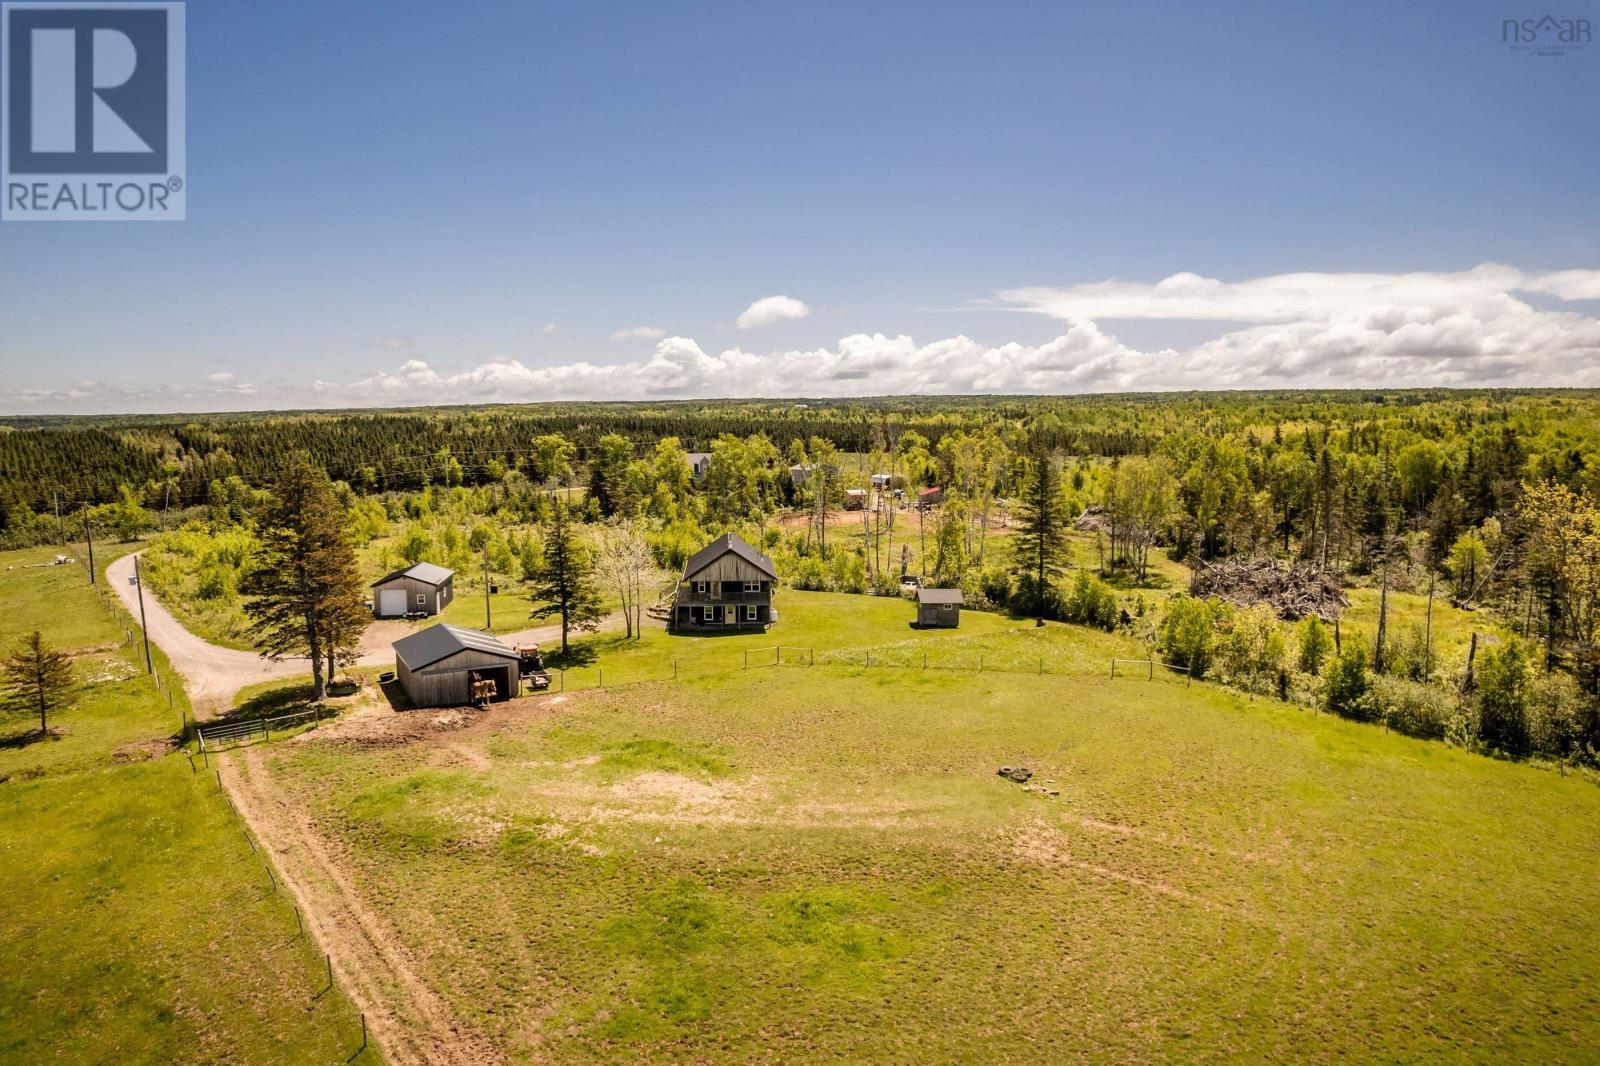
pixel 1465 524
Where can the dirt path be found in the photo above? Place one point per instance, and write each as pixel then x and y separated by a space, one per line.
pixel 411 1023
pixel 212 675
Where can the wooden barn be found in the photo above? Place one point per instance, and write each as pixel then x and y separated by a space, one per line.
pixel 437 666
pixel 423 589
pixel 726 586
pixel 931 496
pixel 938 608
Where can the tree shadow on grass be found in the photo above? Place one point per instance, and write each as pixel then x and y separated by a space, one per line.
pixel 18 741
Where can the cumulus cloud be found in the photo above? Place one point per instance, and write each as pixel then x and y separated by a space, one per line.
pixel 1302 331
pixel 549 329
pixel 221 377
pixel 647 333
pixel 770 309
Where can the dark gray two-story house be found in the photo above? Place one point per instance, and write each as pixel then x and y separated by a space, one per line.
pixel 726 586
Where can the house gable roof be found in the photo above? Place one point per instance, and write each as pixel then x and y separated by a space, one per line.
pixel 729 542
pixel 939 596
pixel 444 640
pixel 427 573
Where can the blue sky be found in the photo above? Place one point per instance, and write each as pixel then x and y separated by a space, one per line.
pixel 495 189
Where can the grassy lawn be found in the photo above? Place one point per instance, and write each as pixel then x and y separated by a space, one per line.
pixel 136 925
pixel 802 864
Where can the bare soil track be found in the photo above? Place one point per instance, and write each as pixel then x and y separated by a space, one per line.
pixel 371 963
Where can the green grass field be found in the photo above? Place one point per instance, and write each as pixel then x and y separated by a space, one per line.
pixel 136 925
pixel 820 863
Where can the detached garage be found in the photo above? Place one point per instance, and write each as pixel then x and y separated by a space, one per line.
pixel 437 666
pixel 423 589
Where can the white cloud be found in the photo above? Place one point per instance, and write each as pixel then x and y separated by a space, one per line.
pixel 396 343
pixel 549 329
pixel 647 333
pixel 221 377
pixel 770 309
pixel 1306 331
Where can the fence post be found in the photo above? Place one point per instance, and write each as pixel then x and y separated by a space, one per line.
pixel 813 661
pixel 602 671
pixel 1113 666
pixel 363 1032
pixel 330 969
pixel 674 669
pixel 1152 664
pixel 298 924
pixel 869 658
pixel 747 658
pixel 1041 665
pixel 924 660
pixel 270 878
pixel 219 777
pixel 563 679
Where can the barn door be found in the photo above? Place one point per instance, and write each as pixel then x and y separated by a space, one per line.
pixel 391 603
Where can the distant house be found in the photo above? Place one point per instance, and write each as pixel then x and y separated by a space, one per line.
pixel 799 473
pixel 727 585
pixel 421 589
pixel 438 666
pixel 699 463
pixel 855 499
pixel 931 496
pixel 939 608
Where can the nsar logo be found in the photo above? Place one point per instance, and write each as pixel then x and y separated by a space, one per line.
pixel 1546 36
pixel 93 99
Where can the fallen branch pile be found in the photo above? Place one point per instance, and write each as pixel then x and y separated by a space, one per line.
pixel 1093 520
pixel 1294 591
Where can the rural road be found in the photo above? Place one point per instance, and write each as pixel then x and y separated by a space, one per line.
pixel 213 675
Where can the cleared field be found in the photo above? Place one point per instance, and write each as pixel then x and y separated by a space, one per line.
pixel 135 923
pixel 806 863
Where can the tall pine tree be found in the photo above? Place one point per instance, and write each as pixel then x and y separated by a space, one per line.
pixel 1041 540
pixel 39 678
pixel 304 593
pixel 565 584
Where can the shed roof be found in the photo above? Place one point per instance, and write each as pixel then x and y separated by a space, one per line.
pixel 939 596
pixel 427 573
pixel 444 640
pixel 929 491
pixel 729 542
pixel 696 458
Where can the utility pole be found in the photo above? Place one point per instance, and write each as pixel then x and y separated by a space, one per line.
pixel 488 622
pixel 61 530
pixel 88 536
pixel 138 581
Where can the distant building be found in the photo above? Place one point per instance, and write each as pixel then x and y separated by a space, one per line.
pixel 882 481
pixel 727 585
pixel 438 666
pixel 855 499
pixel 799 473
pixel 423 589
pixel 931 496
pixel 699 463
pixel 939 608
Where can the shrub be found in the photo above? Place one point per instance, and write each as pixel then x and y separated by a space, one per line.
pixel 1344 687
pixel 1559 716
pixel 1091 603
pixel 1503 684
pixel 1249 651
pixel 1185 635
pixel 1412 707
pixel 1315 644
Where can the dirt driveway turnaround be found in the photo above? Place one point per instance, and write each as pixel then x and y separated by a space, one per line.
pixel 212 675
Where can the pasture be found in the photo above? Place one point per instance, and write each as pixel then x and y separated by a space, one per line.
pixel 819 862
pixel 136 924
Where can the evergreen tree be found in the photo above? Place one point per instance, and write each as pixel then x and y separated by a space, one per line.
pixel 39 678
pixel 1041 541
pixel 565 583
pixel 304 591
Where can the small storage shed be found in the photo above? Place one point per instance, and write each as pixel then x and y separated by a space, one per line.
pixel 699 463
pixel 437 666
pixel 421 589
pixel 855 499
pixel 930 497
pixel 939 608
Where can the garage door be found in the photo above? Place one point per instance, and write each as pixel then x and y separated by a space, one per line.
pixel 391 603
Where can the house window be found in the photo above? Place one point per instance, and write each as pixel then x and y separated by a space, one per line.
pixel 700 587
pixel 711 614
pixel 750 613
pixel 422 599
pixel 752 586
